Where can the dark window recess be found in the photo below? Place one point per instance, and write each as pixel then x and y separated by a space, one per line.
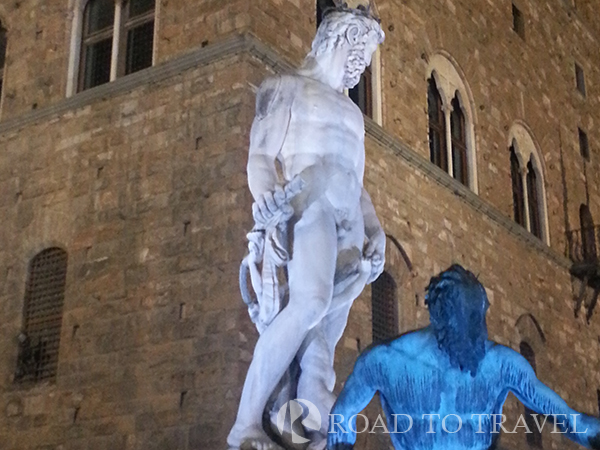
pixel 2 56
pixel 517 188
pixel 459 143
pixel 362 93
pixel 534 439
pixel 533 200
pixel 437 126
pixel 518 21
pixel 384 308
pixel 580 79
pixel 100 15
pixel 42 316
pixel 96 46
pixel 584 147
pixel 97 63
pixel 139 7
pixel 139 27
pixel 322 6
pixel 588 234
pixel 140 42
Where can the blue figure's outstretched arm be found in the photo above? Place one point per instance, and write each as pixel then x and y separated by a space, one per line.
pixel 535 395
pixel 356 395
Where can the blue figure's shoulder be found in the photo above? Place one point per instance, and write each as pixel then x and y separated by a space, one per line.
pixel 410 346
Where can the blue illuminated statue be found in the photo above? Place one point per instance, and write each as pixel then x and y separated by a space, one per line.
pixel 443 387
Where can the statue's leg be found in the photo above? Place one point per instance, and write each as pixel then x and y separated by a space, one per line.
pixel 311 271
pixel 317 378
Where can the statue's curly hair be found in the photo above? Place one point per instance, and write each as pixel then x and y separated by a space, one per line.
pixel 447 295
pixel 339 26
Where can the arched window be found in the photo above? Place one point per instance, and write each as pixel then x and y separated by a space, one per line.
pixel 437 126
pixel 42 316
pixel 534 438
pixel 117 38
pixel 527 174
pixel 459 143
pixel 384 308
pixel 533 201
pixel 517 188
pixel 451 120
pixel 588 234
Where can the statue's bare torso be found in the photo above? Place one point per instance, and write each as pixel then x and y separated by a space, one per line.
pixel 324 142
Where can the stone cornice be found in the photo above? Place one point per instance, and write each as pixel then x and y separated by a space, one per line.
pixel 248 44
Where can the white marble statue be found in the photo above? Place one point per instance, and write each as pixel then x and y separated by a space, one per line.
pixel 313 218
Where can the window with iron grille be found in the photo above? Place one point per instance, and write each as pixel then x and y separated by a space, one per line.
pixel 42 316
pixel 384 308
pixel 437 126
pixel 459 143
pixel 517 188
pixel 533 201
pixel 126 26
pixel 534 439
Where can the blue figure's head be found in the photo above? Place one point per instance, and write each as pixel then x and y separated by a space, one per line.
pixel 457 305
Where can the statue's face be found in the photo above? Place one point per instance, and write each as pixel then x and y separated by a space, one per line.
pixel 359 58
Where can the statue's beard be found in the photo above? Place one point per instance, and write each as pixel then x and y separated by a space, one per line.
pixel 355 66
pixel 464 344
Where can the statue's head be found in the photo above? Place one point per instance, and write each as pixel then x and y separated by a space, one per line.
pixel 352 31
pixel 457 305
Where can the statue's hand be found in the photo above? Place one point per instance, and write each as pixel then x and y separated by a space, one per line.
pixel 271 208
pixel 375 253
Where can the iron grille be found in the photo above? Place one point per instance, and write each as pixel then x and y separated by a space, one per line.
pixel 384 308
pixel 139 27
pixel 42 316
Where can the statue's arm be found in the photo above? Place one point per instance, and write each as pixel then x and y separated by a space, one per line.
pixel 355 396
pixel 534 394
pixel 375 249
pixel 270 126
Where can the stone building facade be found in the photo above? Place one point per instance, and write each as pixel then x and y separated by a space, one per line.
pixel 141 183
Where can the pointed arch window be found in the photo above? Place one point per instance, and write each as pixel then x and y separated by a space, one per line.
pixel 384 308
pixel 437 126
pixel 117 39
pixel 517 188
pixel 533 199
pixel 42 316
pixel 534 439
pixel 527 176
pixel 459 143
